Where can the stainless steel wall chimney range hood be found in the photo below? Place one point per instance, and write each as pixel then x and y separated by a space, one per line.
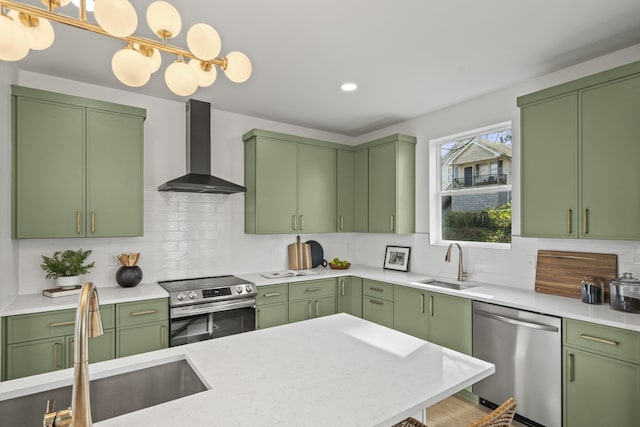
pixel 198 178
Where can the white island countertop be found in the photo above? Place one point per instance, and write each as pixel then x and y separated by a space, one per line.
pixel 337 370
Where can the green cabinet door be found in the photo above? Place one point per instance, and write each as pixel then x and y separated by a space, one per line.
pixel 382 188
pixel 49 165
pixel 34 357
pixel 450 321
pixel 316 189
pixel 271 315
pixel 312 308
pixel 599 391
pixel 610 128
pixel 114 174
pixel 100 348
pixel 350 295
pixel 361 191
pixel 549 174
pixel 140 339
pixel 276 186
pixel 345 191
pixel 410 311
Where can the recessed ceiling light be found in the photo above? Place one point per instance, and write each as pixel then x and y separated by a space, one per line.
pixel 349 87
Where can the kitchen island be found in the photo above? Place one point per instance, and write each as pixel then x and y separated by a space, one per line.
pixel 336 370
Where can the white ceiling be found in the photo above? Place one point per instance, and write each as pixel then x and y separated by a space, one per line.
pixel 409 57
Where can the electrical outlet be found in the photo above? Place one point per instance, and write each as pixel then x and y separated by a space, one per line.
pixel 113 260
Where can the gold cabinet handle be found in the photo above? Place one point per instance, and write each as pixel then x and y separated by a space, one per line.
pixel 430 305
pixel 258 318
pixel 143 313
pixel 317 308
pixel 294 223
pixel 585 221
pixel 77 222
pixel 312 289
pixel 393 221
pixel 570 371
pixel 376 289
pixel 56 355
pixel 422 303
pixel 600 340
pixel 93 222
pixel 342 287
pixel 372 301
pixel 341 222
pixel 55 325
pixel 301 222
pixel 272 294
pixel 309 310
pixel 569 212
pixel 163 340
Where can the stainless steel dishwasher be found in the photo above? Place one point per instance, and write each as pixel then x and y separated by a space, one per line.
pixel 526 349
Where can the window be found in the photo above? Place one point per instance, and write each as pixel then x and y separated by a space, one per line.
pixel 470 187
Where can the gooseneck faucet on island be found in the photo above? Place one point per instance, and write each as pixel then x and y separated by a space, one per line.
pixel 462 275
pixel 88 325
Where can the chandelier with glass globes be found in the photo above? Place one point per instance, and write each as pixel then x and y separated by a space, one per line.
pixel 24 27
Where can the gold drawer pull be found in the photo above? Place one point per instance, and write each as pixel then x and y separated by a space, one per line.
pixel 341 222
pixel 312 289
pixel 56 355
pixel 163 332
pixel 93 222
pixel 272 294
pixel 301 222
pixel 600 340
pixel 569 214
pixel 372 301
pixel 376 289
pixel 570 371
pixel 585 221
pixel 77 222
pixel 143 313
pixel 54 325
pixel 258 318
pixel 294 223
pixel 422 303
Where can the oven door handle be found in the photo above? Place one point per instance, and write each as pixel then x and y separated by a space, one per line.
pixel 214 307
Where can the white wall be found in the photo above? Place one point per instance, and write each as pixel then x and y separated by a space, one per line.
pixel 190 235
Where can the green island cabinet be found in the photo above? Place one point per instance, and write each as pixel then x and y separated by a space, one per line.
pixel 77 166
pixel 142 326
pixel 601 381
pixel 272 308
pixel 390 184
pixel 42 342
pixel 579 148
pixel 345 191
pixel 311 299
pixel 442 319
pixel 377 302
pixel 350 295
pixel 291 184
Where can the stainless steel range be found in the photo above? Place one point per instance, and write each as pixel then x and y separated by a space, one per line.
pixel 209 307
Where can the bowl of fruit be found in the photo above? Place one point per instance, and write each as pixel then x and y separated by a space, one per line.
pixel 337 264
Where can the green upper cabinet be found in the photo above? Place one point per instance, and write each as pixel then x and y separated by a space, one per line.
pixel 391 184
pixel 345 191
pixel 361 190
pixel 291 184
pixel 77 166
pixel 579 149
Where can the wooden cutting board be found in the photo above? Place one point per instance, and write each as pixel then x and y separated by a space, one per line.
pixel 299 255
pixel 560 273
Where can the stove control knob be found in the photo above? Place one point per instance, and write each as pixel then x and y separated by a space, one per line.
pixel 192 294
pixel 248 288
pixel 180 296
pixel 239 290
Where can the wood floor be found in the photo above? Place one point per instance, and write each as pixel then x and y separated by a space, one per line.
pixel 455 411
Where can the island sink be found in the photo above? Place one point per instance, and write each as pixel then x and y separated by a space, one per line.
pixel 112 396
pixel 448 285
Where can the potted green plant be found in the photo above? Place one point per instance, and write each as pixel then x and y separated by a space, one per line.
pixel 66 267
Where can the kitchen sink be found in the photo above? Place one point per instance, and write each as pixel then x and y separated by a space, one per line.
pixel 111 396
pixel 441 284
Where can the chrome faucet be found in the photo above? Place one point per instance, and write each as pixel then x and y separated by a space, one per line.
pixel 462 275
pixel 88 324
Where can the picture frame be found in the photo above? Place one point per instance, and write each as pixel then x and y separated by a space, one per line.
pixel 397 258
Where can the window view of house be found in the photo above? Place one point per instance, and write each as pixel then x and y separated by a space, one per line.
pixel 475 187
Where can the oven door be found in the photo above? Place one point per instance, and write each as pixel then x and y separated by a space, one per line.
pixel 201 322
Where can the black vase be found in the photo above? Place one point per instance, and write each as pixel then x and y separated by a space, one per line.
pixel 128 277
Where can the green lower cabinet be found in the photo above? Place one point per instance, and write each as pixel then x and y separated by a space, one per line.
pixel 141 339
pixel 377 302
pixel 350 295
pixel 311 308
pixel 411 316
pixel 36 357
pixel 271 305
pixel 100 348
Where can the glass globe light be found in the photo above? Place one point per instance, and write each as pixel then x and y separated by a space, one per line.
pixel 152 54
pixel 131 67
pixel 13 41
pixel 39 31
pixel 164 19
pixel 180 78
pixel 203 41
pixel 205 72
pixel 238 67
pixel 116 17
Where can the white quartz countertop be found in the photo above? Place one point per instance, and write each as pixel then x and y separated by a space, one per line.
pixel 330 371
pixel 519 298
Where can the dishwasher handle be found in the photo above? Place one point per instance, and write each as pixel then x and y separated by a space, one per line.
pixel 517 322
